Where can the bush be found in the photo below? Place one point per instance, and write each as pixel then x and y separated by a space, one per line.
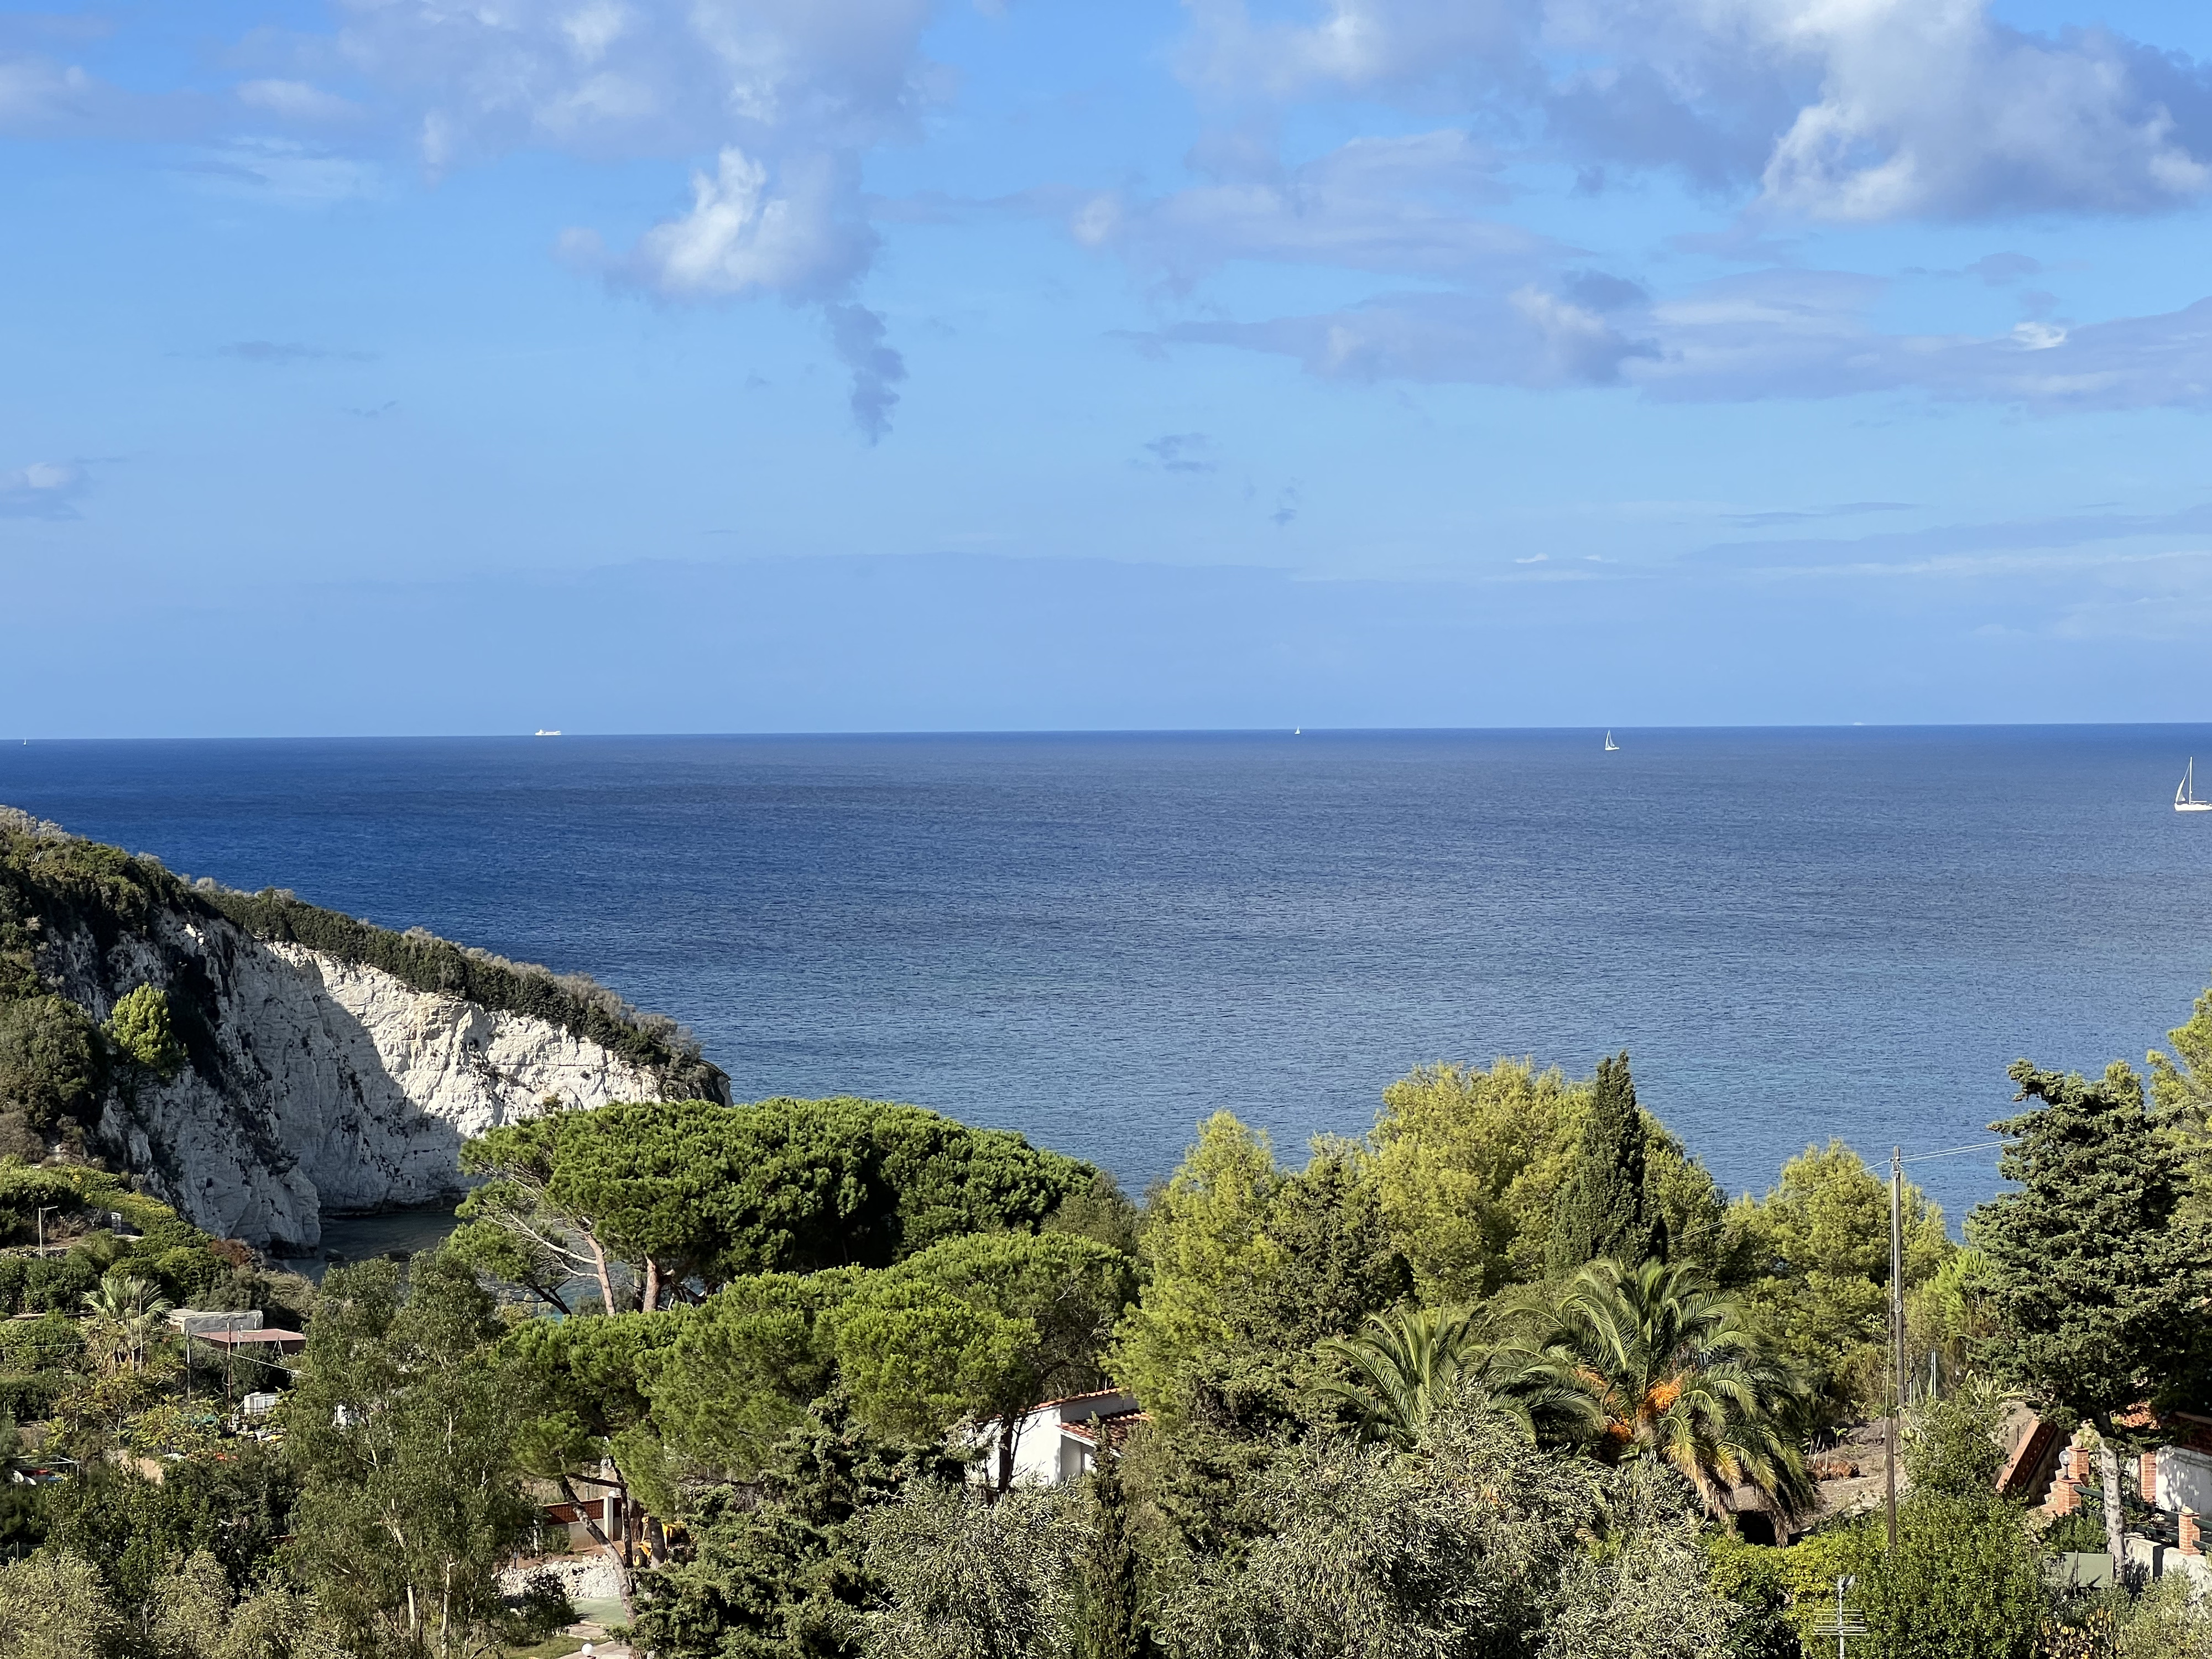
pixel 22 1520
pixel 30 1398
pixel 143 1031
pixel 30 1345
pixel 49 1069
pixel 54 1284
pixel 1964 1580
pixel 541 1611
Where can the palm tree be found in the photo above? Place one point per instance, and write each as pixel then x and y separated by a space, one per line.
pixel 1405 1365
pixel 123 1318
pixel 1667 1369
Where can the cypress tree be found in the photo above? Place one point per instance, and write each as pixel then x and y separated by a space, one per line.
pixel 1605 1208
pixel 1108 1621
pixel 2097 1274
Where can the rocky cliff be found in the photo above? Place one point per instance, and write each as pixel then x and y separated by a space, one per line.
pixel 322 1064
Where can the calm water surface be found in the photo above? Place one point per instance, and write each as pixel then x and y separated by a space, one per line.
pixel 1100 939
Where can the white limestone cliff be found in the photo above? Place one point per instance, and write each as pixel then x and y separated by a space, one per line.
pixel 340 1087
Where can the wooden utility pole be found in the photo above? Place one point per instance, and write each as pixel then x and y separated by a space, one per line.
pixel 1896 1323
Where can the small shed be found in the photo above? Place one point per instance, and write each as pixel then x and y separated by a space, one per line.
pixel 259 1343
pixel 199 1321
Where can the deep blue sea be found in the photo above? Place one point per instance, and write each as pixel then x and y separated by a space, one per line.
pixel 1100 939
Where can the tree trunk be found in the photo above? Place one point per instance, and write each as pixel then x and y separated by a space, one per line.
pixel 606 1285
pixel 599 1535
pixel 651 1302
pixel 2108 1463
pixel 1009 1426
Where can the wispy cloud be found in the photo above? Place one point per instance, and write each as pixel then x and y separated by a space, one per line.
pixel 43 490
pixel 285 173
pixel 1907 547
pixel 1181 452
pixel 1397 204
pixel 278 353
pixel 1809 514
pixel 297 101
pixel 783 98
pixel 1763 334
pixel 1530 338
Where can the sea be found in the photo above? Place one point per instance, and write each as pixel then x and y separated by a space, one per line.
pixel 1099 939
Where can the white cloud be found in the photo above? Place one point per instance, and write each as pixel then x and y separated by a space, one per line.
pixel 43 490
pixel 296 101
pixel 802 239
pixel 787 96
pixel 1359 45
pixel 1846 110
pixel 35 91
pixel 1782 334
pixel 1929 109
pixel 596 77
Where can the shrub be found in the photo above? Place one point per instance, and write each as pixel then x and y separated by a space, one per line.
pixel 143 1031
pixel 49 1069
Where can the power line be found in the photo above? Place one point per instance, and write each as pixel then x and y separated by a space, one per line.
pixel 1952 1151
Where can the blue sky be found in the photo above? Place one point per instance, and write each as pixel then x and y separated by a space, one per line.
pixel 394 366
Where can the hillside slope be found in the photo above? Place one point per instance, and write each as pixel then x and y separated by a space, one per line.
pixel 321 1063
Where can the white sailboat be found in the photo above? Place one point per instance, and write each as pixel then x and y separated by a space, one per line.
pixel 2184 798
pixel 1610 745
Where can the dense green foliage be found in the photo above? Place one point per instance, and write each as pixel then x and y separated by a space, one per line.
pixel 1507 1378
pixel 1814 1257
pixel 1249 1271
pixel 1468 1165
pixel 775 1570
pixel 403 1436
pixel 2098 1272
pixel 678 1198
pixel 1402 1369
pixel 979 1327
pixel 1649 1361
pixel 144 1033
pixel 1607 1210
pixel 51 1069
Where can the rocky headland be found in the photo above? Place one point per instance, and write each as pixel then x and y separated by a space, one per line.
pixel 316 1063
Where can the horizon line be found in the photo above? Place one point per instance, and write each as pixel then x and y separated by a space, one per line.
pixel 555 735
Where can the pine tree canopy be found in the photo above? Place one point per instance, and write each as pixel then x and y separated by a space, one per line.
pixel 2099 1278
pixel 1606 1210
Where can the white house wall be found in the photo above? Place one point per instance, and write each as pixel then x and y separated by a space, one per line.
pixel 2185 1480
